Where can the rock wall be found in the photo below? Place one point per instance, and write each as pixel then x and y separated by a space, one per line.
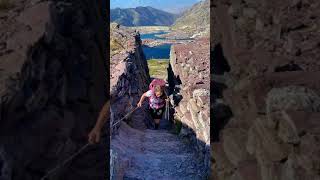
pixel 129 74
pixel 265 82
pixel 129 79
pixel 189 76
pixel 52 86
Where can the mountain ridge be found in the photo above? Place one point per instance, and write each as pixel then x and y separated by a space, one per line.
pixel 142 16
pixel 195 20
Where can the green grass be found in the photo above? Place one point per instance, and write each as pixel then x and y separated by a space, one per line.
pixel 158 68
pixel 5 4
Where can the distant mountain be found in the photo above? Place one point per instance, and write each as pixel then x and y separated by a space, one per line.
pixel 195 20
pixel 142 16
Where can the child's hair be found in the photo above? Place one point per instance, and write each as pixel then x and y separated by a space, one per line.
pixel 158 88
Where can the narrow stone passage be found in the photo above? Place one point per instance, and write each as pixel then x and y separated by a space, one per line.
pixel 137 151
pixel 156 154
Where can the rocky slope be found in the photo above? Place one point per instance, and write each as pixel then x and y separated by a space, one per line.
pixel 52 85
pixel 194 21
pixel 142 16
pixel 266 88
pixel 189 78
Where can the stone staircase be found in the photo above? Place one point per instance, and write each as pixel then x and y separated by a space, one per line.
pixel 157 155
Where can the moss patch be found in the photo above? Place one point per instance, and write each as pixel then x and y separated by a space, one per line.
pixel 158 68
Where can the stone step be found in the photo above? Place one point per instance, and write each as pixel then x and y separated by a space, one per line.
pixel 157 155
pixel 158 132
pixel 154 177
pixel 166 147
pixel 163 166
pixel 161 137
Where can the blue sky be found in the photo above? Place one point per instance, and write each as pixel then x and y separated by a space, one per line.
pixel 174 6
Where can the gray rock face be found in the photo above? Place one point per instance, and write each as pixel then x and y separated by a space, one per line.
pixel 265 70
pixel 190 71
pixel 52 70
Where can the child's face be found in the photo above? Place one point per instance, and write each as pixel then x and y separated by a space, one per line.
pixel 158 94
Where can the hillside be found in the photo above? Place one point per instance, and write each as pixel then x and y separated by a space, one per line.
pixel 196 20
pixel 142 16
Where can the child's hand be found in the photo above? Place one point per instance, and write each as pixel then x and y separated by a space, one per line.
pixel 139 104
pixel 94 136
